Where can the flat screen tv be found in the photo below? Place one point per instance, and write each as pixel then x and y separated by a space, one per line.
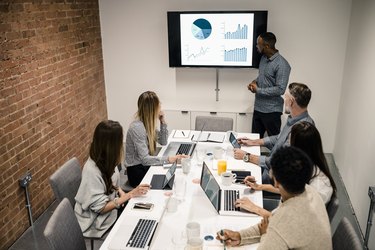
pixel 215 38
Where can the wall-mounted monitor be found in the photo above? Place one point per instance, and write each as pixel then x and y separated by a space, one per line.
pixel 215 38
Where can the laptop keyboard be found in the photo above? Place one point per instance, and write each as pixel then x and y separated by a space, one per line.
pixel 184 149
pixel 141 233
pixel 230 196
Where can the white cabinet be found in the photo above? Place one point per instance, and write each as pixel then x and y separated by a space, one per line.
pixel 177 119
pixel 244 122
pixel 185 119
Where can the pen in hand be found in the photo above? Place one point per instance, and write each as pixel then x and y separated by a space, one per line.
pixel 223 238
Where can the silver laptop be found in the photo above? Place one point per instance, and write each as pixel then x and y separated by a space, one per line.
pixel 179 148
pixel 222 200
pixel 134 233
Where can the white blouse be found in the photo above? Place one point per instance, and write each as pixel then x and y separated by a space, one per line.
pixel 322 185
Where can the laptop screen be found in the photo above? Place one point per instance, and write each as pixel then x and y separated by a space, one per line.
pixel 169 174
pixel 210 187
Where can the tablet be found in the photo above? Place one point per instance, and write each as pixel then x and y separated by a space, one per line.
pixel 233 141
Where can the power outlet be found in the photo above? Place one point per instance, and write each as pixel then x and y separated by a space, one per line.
pixel 25 180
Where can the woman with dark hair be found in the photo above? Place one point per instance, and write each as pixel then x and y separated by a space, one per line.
pixel 306 137
pixel 142 136
pixel 99 194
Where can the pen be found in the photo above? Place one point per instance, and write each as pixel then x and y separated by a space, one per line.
pixel 192 137
pixel 223 240
pixel 183 133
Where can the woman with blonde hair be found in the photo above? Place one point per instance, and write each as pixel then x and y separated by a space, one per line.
pixel 142 136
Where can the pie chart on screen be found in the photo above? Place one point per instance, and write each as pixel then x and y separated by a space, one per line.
pixel 201 29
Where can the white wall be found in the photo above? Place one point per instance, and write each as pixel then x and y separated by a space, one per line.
pixel 312 36
pixel 355 136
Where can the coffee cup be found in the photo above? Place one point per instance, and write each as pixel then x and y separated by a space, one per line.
pixel 218 153
pixel 228 178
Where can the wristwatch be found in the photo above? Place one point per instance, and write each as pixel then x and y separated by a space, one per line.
pixel 246 157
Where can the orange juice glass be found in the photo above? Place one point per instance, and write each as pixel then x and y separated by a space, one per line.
pixel 221 166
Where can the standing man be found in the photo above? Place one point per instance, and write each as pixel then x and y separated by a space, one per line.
pixel 269 86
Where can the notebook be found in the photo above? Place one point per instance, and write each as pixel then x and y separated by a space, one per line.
pixel 222 200
pixel 134 233
pixel 164 182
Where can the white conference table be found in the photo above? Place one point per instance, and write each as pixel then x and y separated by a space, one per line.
pixel 195 206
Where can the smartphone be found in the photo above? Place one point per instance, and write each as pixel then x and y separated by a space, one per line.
pixel 143 206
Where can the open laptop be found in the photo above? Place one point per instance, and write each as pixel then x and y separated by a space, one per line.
pixel 134 233
pixel 164 182
pixel 186 148
pixel 222 200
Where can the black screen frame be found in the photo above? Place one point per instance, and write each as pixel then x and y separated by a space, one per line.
pixel 174 37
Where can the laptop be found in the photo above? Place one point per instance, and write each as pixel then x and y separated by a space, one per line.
pixel 164 182
pixel 179 148
pixel 222 200
pixel 134 233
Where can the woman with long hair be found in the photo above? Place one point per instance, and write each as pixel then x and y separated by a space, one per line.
pixel 306 137
pixel 99 194
pixel 142 137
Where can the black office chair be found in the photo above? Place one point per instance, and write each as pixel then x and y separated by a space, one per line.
pixel 345 237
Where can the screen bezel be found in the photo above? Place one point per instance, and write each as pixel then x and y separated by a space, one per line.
pixel 174 37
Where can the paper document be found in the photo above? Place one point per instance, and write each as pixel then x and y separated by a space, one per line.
pixel 212 137
pixel 181 134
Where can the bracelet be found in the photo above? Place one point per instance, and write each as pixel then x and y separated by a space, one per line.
pixel 116 203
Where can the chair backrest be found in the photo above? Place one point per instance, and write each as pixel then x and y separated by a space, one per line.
pixel 63 231
pixel 332 207
pixel 345 237
pixel 215 123
pixel 66 180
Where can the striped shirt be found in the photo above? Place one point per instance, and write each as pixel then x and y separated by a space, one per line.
pixel 136 147
pixel 271 83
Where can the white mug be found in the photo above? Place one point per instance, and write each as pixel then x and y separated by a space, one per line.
pixel 218 153
pixel 228 178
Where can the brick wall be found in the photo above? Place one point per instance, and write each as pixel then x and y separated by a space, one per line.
pixel 52 95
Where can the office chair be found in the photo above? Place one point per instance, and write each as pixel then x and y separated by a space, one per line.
pixel 66 180
pixel 63 231
pixel 209 123
pixel 332 207
pixel 345 237
pixel 65 183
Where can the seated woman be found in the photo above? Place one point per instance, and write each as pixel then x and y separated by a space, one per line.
pixel 99 194
pixel 305 136
pixel 142 136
